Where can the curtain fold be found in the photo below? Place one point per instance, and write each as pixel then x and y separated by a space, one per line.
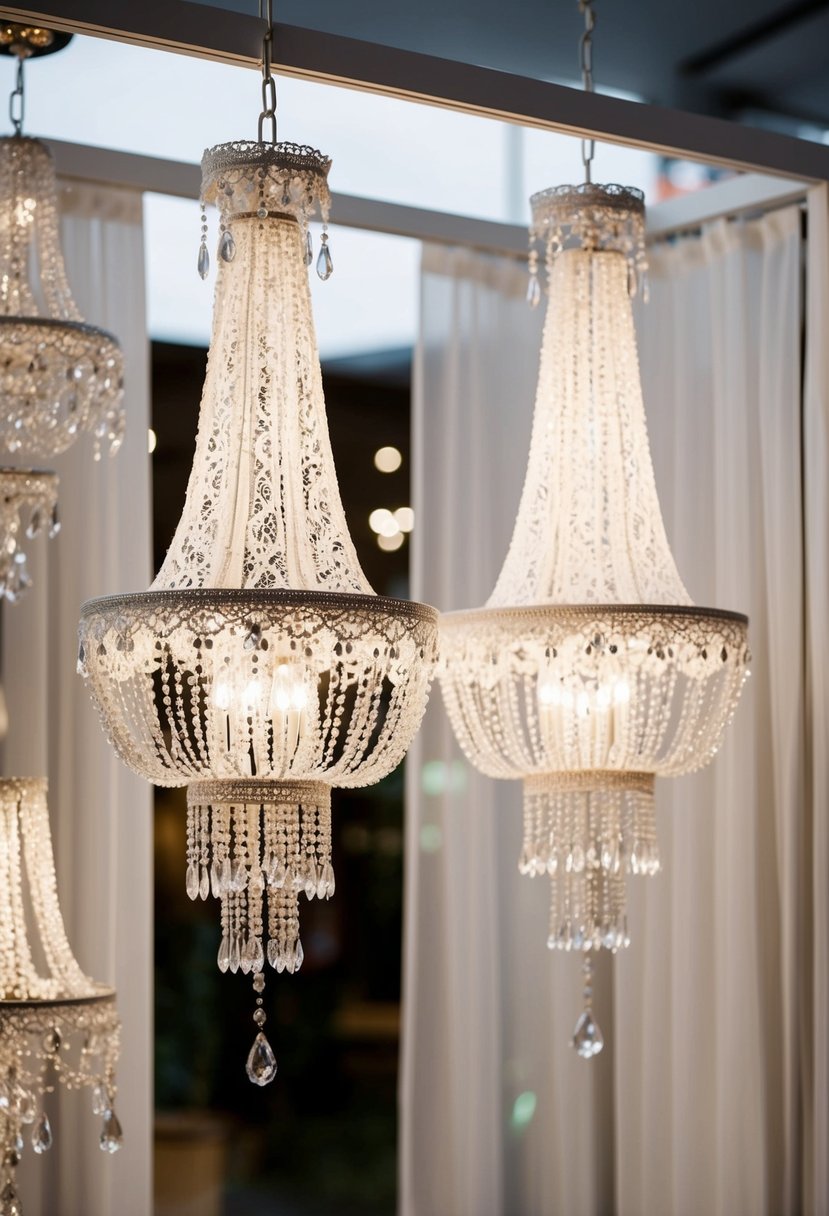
pixel 704 1099
pixel 101 813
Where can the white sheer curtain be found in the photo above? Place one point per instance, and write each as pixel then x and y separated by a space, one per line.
pixel 703 1100
pixel 101 814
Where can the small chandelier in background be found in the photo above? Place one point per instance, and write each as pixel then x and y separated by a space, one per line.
pixel 57 1027
pixel 59 375
pixel 28 506
pixel 589 671
pixel 261 669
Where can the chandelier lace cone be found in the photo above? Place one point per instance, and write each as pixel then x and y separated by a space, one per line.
pixel 57 1026
pixel 260 669
pixel 28 507
pixel 590 671
pixel 59 376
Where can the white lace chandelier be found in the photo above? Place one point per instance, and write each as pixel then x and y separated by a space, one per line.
pixel 58 374
pixel 589 671
pixel 56 1025
pixel 260 669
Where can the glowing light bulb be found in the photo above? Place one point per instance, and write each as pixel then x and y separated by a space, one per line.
pixel 221 695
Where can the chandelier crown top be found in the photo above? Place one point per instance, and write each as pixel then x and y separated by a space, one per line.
pixel 590 216
pixel 249 176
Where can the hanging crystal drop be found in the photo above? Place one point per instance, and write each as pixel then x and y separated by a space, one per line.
pixel 203 263
pixel 261 1064
pixel 325 264
pixel 192 881
pixel 24 1105
pixel 227 246
pixel 112 1137
pixel 42 1134
pixel 100 1099
pixel 204 883
pixel 223 957
pixel 587 1037
pixel 533 291
pixel 309 248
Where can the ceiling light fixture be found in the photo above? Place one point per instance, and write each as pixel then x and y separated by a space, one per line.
pixel 590 671
pixel 260 670
pixel 59 375
pixel 57 1027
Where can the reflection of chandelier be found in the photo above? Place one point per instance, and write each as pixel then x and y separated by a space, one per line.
pixel 58 374
pixel 260 669
pixel 56 1025
pixel 28 504
pixel 589 671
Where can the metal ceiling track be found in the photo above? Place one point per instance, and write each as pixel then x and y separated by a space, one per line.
pixel 198 29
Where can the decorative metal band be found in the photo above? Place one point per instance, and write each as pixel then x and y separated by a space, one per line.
pixel 561 202
pixel 254 599
pixel 265 215
pixel 82 328
pixel 28 143
pixel 237 791
pixel 589 781
pixel 103 997
pixel 611 613
pixel 250 154
pixel 22 788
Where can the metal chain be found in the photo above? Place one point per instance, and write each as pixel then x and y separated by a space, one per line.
pixel 17 100
pixel 268 114
pixel 588 146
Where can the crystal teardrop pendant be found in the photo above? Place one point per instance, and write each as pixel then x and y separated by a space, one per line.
pixel 588 1040
pixel 261 1065
pixel 192 881
pixel 533 291
pixel 325 264
pixel 203 263
pixel 309 248
pixel 42 1134
pixel 227 246
pixel 112 1136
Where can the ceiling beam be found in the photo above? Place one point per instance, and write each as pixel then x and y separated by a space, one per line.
pixel 312 55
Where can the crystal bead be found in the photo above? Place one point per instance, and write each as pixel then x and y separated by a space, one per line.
pixel 309 249
pixel 227 246
pixel 35 524
pixel 261 1063
pixel 204 883
pixel 259 979
pixel 325 264
pixel 100 1099
pixel 203 262
pixel 51 1041
pixel 587 1037
pixel 42 1134
pixel 9 1201
pixel 533 291
pixel 260 1017
pixel 299 955
pixel 253 638
pixel 192 880
pixel 112 1137
pixel 327 882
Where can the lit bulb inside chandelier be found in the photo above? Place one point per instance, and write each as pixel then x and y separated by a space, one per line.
pixel 590 672
pixel 261 669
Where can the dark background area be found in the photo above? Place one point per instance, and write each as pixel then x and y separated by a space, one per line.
pixel 321 1139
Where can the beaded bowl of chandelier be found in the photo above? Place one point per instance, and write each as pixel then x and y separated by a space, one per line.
pixel 57 1026
pixel 590 671
pixel 59 375
pixel 261 669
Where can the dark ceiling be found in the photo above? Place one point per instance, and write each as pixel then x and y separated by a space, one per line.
pixel 723 57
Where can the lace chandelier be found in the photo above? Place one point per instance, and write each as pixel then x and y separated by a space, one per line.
pixel 590 671
pixel 261 669
pixel 57 1027
pixel 59 375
